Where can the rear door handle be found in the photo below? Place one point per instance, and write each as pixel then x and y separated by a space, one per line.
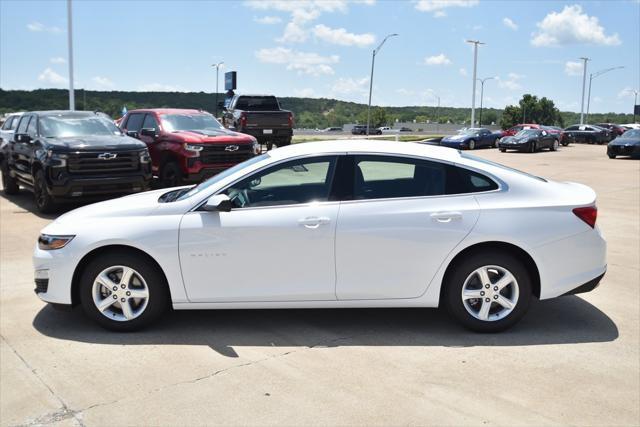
pixel 314 221
pixel 446 216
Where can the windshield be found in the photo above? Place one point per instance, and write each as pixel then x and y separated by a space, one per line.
pixel 66 126
pixel 634 133
pixel 178 122
pixel 222 175
pixel 527 132
pixel 498 165
pixel 469 131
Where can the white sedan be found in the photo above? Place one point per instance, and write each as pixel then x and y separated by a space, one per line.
pixel 330 224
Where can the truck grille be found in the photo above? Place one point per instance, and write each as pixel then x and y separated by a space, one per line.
pixel 220 153
pixel 103 162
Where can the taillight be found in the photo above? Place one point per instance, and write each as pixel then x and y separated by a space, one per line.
pixel 588 214
pixel 290 120
pixel 243 120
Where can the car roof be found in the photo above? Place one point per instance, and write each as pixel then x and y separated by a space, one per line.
pixel 168 111
pixel 64 113
pixel 367 146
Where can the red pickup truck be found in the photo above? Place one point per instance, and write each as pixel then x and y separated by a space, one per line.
pixel 187 146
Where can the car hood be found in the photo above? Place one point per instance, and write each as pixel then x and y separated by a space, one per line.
pixel 455 138
pixel 516 139
pixel 95 143
pixel 211 134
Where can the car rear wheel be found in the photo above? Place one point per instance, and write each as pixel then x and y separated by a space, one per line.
pixel 488 292
pixel 611 156
pixel 9 183
pixel 170 175
pixel 123 291
pixel 554 145
pixel 472 144
pixel 495 142
pixel 503 150
pixel 44 202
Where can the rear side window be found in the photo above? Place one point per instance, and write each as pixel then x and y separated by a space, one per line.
pixel 461 181
pixel 24 122
pixel 7 123
pixel 134 122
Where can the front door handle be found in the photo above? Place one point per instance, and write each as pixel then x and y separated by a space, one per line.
pixel 314 221
pixel 446 216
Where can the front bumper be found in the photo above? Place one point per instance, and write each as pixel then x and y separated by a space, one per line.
pixel 454 144
pixel 624 150
pixel 520 146
pixel 53 274
pixel 74 186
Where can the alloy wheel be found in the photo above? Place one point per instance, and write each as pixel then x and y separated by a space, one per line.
pixel 120 293
pixel 490 293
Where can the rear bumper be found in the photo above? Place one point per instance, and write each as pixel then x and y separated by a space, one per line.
pixel 276 135
pixel 586 287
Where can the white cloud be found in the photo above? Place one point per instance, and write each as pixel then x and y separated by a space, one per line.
pixel 39 27
pixel 438 6
pixel 303 62
pixel 509 23
pixel 463 71
pixel 268 20
pixel 512 82
pixel 306 92
pixel 58 60
pixel 102 82
pixel 627 92
pixel 342 37
pixel 350 86
pixel 293 33
pixel 573 68
pixel 159 87
pixel 403 91
pixel 51 77
pixel 437 60
pixel 571 26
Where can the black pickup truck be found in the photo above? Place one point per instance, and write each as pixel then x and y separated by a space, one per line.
pixel 66 155
pixel 261 117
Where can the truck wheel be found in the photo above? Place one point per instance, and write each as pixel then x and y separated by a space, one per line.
pixel 269 145
pixel 284 142
pixel 170 175
pixel 44 202
pixel 9 183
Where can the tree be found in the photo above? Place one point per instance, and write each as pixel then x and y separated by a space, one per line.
pixel 530 109
pixel 489 117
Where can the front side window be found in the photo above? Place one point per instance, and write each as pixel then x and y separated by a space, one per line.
pixel 134 122
pixel 32 129
pixel 294 182
pixel 382 177
pixel 24 122
pixel 150 122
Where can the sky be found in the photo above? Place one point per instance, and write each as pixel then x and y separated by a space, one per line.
pixel 323 48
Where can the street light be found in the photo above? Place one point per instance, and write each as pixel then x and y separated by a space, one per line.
pixel 635 102
pixel 475 67
pixel 373 61
pixel 217 66
pixel 72 98
pixel 593 76
pixel 437 114
pixel 482 96
pixel 584 81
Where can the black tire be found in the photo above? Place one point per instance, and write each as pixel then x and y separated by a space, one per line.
pixel 284 142
pixel 9 183
pixel 564 143
pixel 554 145
pixel 158 290
pixel 452 293
pixel 495 143
pixel 170 174
pixel 44 201
pixel 611 156
pixel 503 150
pixel 472 144
pixel 269 145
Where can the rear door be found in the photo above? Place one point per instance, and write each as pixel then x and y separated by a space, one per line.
pixel 399 227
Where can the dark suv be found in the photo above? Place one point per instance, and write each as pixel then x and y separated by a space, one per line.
pixel 64 155
pixel 362 130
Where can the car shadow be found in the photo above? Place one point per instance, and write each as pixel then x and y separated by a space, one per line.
pixel 567 320
pixel 24 200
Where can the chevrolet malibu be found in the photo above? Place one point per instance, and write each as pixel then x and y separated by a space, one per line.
pixel 330 224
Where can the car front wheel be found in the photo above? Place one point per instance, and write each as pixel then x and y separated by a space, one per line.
pixel 488 292
pixel 9 183
pixel 123 291
pixel 44 202
pixel 554 145
pixel 472 144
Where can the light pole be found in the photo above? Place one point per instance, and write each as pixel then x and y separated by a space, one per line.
pixel 72 98
pixel 584 81
pixel 217 66
pixel 437 114
pixel 482 96
pixel 635 102
pixel 475 69
pixel 593 76
pixel 373 61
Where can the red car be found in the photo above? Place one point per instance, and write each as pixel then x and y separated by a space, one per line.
pixel 187 146
pixel 517 128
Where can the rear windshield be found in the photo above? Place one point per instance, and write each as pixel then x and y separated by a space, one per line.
pixel 257 103
pixel 65 126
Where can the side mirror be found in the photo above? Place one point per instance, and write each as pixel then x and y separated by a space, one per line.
pixel 218 203
pixel 22 137
pixel 151 132
pixel 132 134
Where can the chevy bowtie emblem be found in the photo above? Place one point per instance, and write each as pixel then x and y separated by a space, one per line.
pixel 107 156
pixel 231 148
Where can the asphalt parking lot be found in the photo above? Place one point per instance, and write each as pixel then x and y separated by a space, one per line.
pixel 573 360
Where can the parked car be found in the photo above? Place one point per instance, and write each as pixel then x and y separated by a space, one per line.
pixel 387 130
pixel 261 117
pixel 484 254
pixel 627 144
pixel 557 132
pixel 405 129
pixel 517 128
pixel 587 134
pixel 332 129
pixel 631 126
pixel 66 155
pixel 362 130
pixel 187 146
pixel 530 140
pixel 8 128
pixel 616 130
pixel 471 138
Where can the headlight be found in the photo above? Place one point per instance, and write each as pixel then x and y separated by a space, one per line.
pixel 256 147
pixel 59 159
pixel 144 156
pixel 194 149
pixel 47 242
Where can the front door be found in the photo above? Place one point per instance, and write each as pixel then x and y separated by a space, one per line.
pixel 393 237
pixel 277 244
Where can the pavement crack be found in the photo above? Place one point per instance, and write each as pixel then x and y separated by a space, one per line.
pixel 64 413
